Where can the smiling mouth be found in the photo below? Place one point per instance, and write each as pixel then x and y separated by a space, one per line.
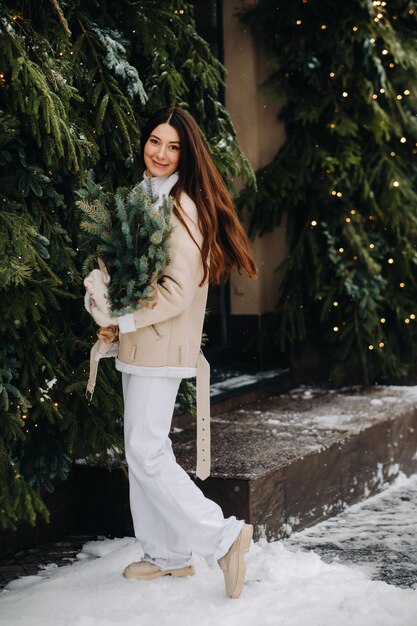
pixel 159 164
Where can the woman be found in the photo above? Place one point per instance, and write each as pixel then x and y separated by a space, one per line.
pixel 160 345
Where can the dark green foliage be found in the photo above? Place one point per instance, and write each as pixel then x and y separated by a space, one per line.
pixel 77 79
pixel 345 179
pixel 131 236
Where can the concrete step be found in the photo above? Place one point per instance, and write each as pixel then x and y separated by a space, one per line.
pixel 288 461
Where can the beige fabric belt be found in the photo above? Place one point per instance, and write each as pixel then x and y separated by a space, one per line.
pixel 203 418
pixel 203 403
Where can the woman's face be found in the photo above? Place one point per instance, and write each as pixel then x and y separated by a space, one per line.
pixel 162 151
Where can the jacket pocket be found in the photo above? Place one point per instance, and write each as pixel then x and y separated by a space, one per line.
pixel 157 331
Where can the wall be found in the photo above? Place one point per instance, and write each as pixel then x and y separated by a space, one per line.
pixel 260 134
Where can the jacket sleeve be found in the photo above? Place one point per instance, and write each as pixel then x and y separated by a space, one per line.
pixel 181 277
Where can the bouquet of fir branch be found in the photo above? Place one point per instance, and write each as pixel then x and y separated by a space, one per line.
pixel 128 232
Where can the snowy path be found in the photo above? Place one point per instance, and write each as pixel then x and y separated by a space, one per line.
pixel 285 585
pixel 380 534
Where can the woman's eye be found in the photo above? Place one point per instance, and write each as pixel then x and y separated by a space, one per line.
pixel 153 141
pixel 175 147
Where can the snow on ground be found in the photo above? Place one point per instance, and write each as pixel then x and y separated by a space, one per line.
pixel 380 534
pixel 286 586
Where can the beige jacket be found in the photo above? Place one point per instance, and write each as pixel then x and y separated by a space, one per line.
pixel 169 334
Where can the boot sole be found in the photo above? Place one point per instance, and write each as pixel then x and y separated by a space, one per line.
pixel 175 573
pixel 243 546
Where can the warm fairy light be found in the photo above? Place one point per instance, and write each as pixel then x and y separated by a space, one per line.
pixel 356 258
pixel 345 94
pixel 355 28
pixel 399 97
pixel 335 303
pixel 403 139
pixel 332 74
pixel 335 328
pixel 370 347
pixel 407 320
pixel 392 65
pixel 372 246
pixel 412 316
pixel 348 220
pixel 381 344
pixel 339 194
pixel 333 125
pixel 396 183
pixel 382 90
pixel 374 96
pixel 395 17
pixel 323 27
pixel 55 403
pixel 391 261
pixel 334 192
pixel 385 51
pixel 372 40
pixel 392 153
pixel 402 285
pixel 341 250
pixel 406 92
pixel 314 223
pixel 382 320
pixel 380 16
pixel 353 212
pixel 411 11
pixel 298 22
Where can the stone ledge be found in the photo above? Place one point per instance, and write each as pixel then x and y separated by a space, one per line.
pixel 289 461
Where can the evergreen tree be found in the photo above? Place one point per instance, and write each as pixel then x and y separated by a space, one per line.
pixel 76 81
pixel 345 179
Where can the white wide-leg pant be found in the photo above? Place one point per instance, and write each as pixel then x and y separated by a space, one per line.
pixel 171 516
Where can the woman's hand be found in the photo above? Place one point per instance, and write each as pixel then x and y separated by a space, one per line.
pixel 96 298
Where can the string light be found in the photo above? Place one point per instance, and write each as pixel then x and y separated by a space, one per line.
pixel 332 125
pixel 335 328
pixel 391 261
pixel 353 212
pixel 412 316
pixel 382 90
pixel 392 65
pixel 314 223
pixel 407 320
pixel 385 51
pixel 341 250
pixel 381 344
pixel 402 285
pixel 372 246
pixel 392 153
pixel 374 96
pixel 382 320
pixel 403 139
pixel 395 183
pixel 298 22
pixel 356 258
pixel 335 303
pixel 355 28
pixel 345 94
pixel 332 74
pixel 348 220
pixel 370 347
pixel 339 194
pixel 406 92
pixel 399 97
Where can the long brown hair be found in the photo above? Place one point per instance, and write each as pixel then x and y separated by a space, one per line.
pixel 225 243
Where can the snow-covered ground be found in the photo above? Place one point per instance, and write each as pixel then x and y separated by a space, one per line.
pixel 286 585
